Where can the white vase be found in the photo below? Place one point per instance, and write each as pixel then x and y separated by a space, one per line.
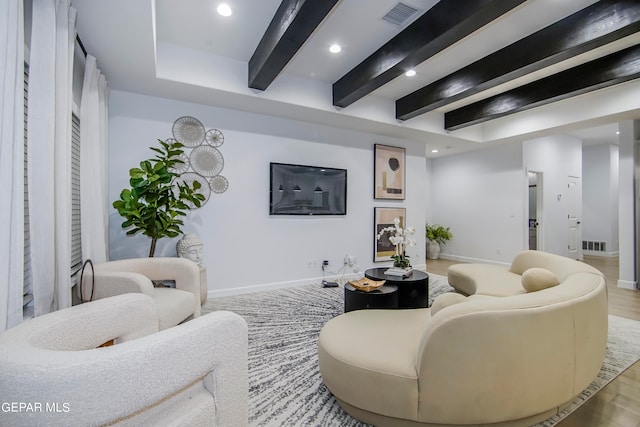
pixel 433 249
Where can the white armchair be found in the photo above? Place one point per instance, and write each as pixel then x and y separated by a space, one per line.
pixel 136 275
pixel 194 374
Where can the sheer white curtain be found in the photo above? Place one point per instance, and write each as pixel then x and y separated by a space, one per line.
pixel 49 152
pixel 93 166
pixel 11 162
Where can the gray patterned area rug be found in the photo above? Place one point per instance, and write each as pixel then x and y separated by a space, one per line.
pixel 285 387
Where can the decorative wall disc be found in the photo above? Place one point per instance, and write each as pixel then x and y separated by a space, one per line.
pixel 214 137
pixel 205 189
pixel 219 184
pixel 189 131
pixel 201 161
pixel 180 167
pixel 206 160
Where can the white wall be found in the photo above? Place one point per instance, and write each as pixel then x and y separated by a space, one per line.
pixel 245 248
pixel 557 157
pixel 481 196
pixel 629 134
pixel 614 188
pixel 600 196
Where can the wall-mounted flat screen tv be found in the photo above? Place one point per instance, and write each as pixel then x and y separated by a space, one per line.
pixel 307 190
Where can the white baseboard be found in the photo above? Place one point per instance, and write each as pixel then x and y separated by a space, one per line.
pixel 341 279
pixel 472 260
pixel 422 267
pixel 261 287
pixel 628 284
pixel 601 254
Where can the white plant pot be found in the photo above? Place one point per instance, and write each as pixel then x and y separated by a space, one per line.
pixel 433 249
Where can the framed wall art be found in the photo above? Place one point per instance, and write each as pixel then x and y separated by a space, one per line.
pixel 383 249
pixel 389 172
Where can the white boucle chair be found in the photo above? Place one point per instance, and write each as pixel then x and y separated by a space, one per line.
pixel 194 374
pixel 136 275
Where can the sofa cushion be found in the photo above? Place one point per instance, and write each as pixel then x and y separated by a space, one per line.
pixel 445 300
pixel 486 279
pixel 174 305
pixel 368 358
pixel 561 266
pixel 536 279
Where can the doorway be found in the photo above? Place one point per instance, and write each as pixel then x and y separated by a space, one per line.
pixel 535 210
pixel 574 205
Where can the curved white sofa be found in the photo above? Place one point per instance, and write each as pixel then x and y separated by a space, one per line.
pixel 513 359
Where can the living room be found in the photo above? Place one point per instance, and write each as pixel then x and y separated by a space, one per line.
pixel 516 138
pixel 476 182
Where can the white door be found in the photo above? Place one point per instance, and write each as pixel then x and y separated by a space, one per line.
pixel 574 206
pixel 535 222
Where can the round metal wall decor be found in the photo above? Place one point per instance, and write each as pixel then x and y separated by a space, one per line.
pixel 205 189
pixel 189 131
pixel 214 137
pixel 182 163
pixel 206 160
pixel 202 161
pixel 219 184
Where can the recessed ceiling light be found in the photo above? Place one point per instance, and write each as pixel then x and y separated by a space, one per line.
pixel 435 150
pixel 410 73
pixel 335 48
pixel 224 9
pixel 617 132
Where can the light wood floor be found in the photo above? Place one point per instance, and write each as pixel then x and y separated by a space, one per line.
pixel 618 403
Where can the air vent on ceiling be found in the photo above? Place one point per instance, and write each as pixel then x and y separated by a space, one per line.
pixel 400 14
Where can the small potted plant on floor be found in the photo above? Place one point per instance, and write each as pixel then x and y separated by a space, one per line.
pixel 436 235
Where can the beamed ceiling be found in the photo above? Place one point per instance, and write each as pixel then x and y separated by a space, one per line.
pixel 476 62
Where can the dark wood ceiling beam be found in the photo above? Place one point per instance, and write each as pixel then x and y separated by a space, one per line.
pixel 592 27
pixel 607 71
pixel 444 24
pixel 290 27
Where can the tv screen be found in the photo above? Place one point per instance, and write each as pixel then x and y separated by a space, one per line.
pixel 307 190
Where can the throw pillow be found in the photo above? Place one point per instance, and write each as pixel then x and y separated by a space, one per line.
pixel 445 300
pixel 536 279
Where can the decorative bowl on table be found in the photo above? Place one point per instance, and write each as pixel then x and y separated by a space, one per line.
pixel 367 285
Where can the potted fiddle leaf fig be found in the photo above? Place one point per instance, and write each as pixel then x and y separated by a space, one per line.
pixel 436 235
pixel 157 200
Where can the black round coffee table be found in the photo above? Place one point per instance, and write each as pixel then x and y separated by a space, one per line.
pixel 384 297
pixel 413 290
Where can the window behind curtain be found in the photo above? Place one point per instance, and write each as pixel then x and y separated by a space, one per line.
pixel 77 82
pixel 76 241
pixel 27 299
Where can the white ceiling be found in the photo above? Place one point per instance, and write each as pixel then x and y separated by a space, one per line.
pixel 185 50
